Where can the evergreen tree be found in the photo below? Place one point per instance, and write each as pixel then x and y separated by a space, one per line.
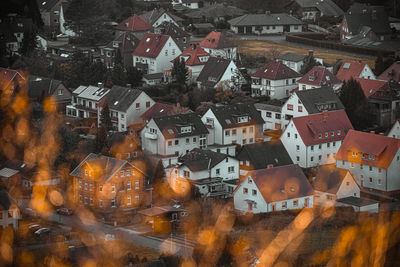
pixel 105 119
pixel 101 139
pixel 309 63
pixel 180 72
pixel 118 75
pixel 379 65
pixel 134 76
pixel 29 43
pixel 118 58
pixel 108 83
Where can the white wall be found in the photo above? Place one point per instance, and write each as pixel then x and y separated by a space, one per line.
pixel 271 120
pixel 296 103
pixel 395 131
pixel 277 89
pixel 367 73
pixel 230 71
pixel 162 18
pixel 10 220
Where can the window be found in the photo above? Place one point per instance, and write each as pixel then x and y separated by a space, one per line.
pixel 129 185
pixel 100 203
pixel 295 203
pixel 245 190
pixel 244 130
pixel 370 179
pixel 122 174
pixel 91 201
pixel 319 157
pixel 244 141
pixel 319 146
pixel 379 170
pixel 351 165
pixel 268 114
pixel 334 143
pixel 298 158
pixel 231 169
pixel 91 186
pixel 187 140
pixel 278 116
pixel 128 173
pixel 338 132
pixel 194 139
pixel 129 200
pixel 147 104
pixel 312 148
pixel 80 184
pixel 300 109
pixel 370 168
pixel 113 188
pixel 290 107
pixel 113 203
pixel 326 134
pixel 251 129
pixel 60 91
pixel 137 105
pixel 319 136
pixel 169 143
pixel 250 181
pixel 217 171
pixel 284 204
pixel 288 134
pixel 328 144
pixel 234 132
pixel 86 186
pixel 254 192
pixel 186 174
pixel 295 136
pixel 137 184
pixel 227 133
pixel 379 181
pixel 297 147
pixel 166 52
pixel 100 188
pixel 312 159
pixel 176 142
pixel 85 201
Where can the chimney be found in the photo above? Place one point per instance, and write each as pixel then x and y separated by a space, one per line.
pixel 381 133
pixel 270 166
pixel 373 132
pixel 100 85
pixel 267 12
pixel 311 53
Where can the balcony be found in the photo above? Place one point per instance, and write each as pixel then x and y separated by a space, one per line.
pixel 151 136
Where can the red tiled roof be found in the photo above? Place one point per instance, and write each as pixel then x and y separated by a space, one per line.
pixel 134 24
pixel 391 73
pixel 194 52
pixel 382 147
pixel 151 45
pixel 158 110
pixel 216 40
pixel 276 70
pixel 311 126
pixel 353 69
pixel 371 86
pixel 319 75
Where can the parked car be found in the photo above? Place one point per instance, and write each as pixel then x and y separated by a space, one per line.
pixel 65 211
pixel 42 232
pixel 34 227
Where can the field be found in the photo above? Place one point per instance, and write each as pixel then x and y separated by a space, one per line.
pixel 254 47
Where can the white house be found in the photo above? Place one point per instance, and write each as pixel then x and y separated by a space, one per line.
pixel 354 69
pixel 395 131
pixel 192 4
pixel 154 53
pixel 208 171
pixel 169 137
pixel 275 80
pixel 127 106
pixel 373 159
pixel 274 189
pixel 9 211
pixel 311 101
pixel 86 101
pixel 317 77
pixel 271 114
pixel 218 45
pixel 220 72
pixel 265 24
pixel 296 61
pixel 315 139
pixel 332 184
pixel 234 124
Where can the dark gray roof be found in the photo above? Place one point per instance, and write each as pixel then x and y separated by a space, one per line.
pixel 46 4
pixel 281 183
pixel 227 115
pixel 329 178
pixel 327 7
pixel 153 76
pixel 170 126
pixel 264 20
pixel 263 154
pixel 268 107
pixel 41 87
pixel 375 17
pixel 216 10
pixel 292 57
pixel 5 200
pixel 170 29
pixel 357 201
pixel 313 98
pixel 212 71
pixel 121 98
pixel 199 159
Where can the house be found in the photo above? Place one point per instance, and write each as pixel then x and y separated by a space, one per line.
pixel 312 10
pixel 218 45
pixel 395 130
pixel 271 112
pixel 207 170
pixel 265 24
pixel 124 145
pixel 314 139
pixel 157 17
pixel 124 44
pixel 169 137
pixel 39 88
pixel 65 28
pixel 220 72
pixel 331 184
pixel 154 53
pixel 107 185
pixel 163 219
pixel 359 204
pixel 202 28
pixel 317 77
pixel 86 101
pixel 311 101
pixel 233 124
pixel 9 211
pixel 354 69
pixel 50 13
pixel 195 59
pixel 373 159
pixel 275 189
pixel 191 4
pixel 12 81
pixel 261 156
pixel 126 106
pixel 391 74
pixel 154 79
pixel 370 21
pixel 134 24
pixel 158 110
pixel 275 80
pixel 181 38
pixel 296 61
pixel 17 177
pixel 216 12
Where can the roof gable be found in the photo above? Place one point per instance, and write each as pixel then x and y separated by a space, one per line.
pixel 350 69
pixel 180 125
pixel 153 15
pixel 134 24
pixel 216 40
pixel 276 70
pixel 329 179
pixel 192 55
pixel 319 75
pixel 370 87
pixel 319 99
pixel 237 115
pixel 151 45
pixel 391 73
pixel 213 71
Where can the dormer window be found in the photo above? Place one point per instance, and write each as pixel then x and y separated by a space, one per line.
pixel 115 44
pixel 311 78
pixel 371 157
pixel 186 129
pixel 320 136
pixel 242 119
pixel 326 134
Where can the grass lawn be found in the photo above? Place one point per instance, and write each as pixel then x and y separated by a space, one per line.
pixel 254 47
